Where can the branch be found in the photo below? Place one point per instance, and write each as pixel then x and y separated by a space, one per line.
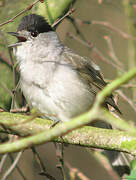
pixel 86 136
pixel 20 13
pixel 113 28
pixel 13 166
pixel 113 86
pixel 107 25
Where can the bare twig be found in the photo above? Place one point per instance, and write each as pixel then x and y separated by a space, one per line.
pixel 3 159
pixel 129 85
pixel 107 25
pixel 13 166
pixel 72 20
pixel 112 53
pixel 42 166
pixel 9 92
pixel 87 44
pixel 67 14
pixel 39 160
pixel 75 171
pixel 113 28
pixel 60 156
pixel 128 100
pixel 95 52
pixel 17 167
pixel 99 55
pixel 20 13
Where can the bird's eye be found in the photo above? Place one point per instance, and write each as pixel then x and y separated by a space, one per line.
pixel 34 33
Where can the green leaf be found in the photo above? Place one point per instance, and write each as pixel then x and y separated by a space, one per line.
pixel 132 175
pixel 133 164
pixel 52 9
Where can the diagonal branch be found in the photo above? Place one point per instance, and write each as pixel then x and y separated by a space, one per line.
pixel 86 136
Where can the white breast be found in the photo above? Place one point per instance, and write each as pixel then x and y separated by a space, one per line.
pixel 49 87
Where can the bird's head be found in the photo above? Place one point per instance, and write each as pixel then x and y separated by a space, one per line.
pixel 29 28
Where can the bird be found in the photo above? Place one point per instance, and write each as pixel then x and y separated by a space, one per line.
pixel 55 80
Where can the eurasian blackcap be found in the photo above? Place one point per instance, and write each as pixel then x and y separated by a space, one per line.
pixel 55 80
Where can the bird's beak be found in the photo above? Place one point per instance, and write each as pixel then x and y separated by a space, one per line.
pixel 21 38
pixel 16 34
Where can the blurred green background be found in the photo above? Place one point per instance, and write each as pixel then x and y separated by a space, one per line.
pixel 109 11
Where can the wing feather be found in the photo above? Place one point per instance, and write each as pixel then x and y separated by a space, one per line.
pixel 90 71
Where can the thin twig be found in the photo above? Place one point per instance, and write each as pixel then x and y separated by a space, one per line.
pixel 60 156
pixel 3 159
pixel 87 44
pixel 20 13
pixel 107 25
pixel 13 166
pixel 72 20
pixel 129 85
pixel 112 53
pixel 42 166
pixel 128 100
pixel 17 167
pixel 75 171
pixel 39 160
pixel 9 92
pixel 67 14
pixel 113 28
pixel 99 55
pixel 95 51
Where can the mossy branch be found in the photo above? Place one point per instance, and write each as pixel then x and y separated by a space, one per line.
pixel 86 136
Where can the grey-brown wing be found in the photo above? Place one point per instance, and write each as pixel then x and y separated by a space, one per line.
pixel 90 71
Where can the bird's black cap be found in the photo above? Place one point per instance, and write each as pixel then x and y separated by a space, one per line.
pixel 34 23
